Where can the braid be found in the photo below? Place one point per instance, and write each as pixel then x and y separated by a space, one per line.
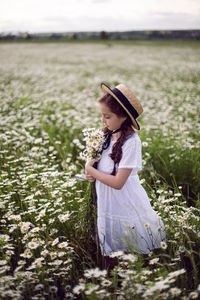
pixel 116 154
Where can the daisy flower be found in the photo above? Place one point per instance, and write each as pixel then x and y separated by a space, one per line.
pixel 193 295
pixel 24 227
pixel 163 245
pixel 175 291
pixel 63 217
pixel 137 287
pixel 4 237
pixel 35 229
pixel 33 245
pixel 21 262
pixel 95 273
pixel 53 255
pixel 53 289
pixel 63 245
pixel 79 288
pixel 176 273
pixel 154 261
pixel 106 282
pixel 3 262
pixel 44 252
pixel 55 242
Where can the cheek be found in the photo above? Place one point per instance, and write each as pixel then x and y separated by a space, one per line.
pixel 115 120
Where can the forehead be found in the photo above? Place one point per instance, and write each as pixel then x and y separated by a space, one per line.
pixel 104 108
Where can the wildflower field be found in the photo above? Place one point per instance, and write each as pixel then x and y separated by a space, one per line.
pixel 48 95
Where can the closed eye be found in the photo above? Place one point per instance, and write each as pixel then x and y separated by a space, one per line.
pixel 106 116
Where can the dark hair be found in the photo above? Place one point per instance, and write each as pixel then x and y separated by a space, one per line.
pixel 126 129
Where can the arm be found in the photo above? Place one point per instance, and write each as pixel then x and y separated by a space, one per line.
pixel 115 181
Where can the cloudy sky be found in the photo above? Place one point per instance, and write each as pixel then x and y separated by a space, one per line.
pixel 97 15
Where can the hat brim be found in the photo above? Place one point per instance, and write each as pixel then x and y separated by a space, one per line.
pixel 106 89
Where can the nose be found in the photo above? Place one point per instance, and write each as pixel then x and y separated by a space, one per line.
pixel 102 120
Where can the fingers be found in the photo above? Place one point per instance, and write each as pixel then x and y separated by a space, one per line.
pixel 96 160
pixel 90 164
pixel 93 160
pixel 90 178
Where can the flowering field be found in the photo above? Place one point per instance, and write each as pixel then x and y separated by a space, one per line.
pixel 48 96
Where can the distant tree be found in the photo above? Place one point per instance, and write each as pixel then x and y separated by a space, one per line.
pixel 155 34
pixel 118 36
pixel 104 35
pixel 74 36
pixel 55 36
pixel 196 35
pixel 27 36
pixel 10 37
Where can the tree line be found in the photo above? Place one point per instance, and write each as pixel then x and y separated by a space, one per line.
pixel 105 35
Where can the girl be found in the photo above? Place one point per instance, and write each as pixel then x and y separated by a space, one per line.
pixel 125 218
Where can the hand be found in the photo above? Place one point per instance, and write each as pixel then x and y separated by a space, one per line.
pixel 89 177
pixel 90 164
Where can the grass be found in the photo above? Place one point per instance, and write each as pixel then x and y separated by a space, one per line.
pixel 194 44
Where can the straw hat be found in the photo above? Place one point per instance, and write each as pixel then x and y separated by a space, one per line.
pixel 128 101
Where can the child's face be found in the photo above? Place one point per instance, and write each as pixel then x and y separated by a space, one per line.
pixel 110 120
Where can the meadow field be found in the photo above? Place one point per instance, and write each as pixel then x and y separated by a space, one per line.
pixel 48 95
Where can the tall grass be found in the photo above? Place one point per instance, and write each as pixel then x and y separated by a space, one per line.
pixel 174 163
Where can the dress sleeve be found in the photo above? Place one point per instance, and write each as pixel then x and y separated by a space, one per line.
pixel 131 155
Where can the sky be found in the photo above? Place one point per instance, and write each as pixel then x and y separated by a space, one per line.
pixel 97 15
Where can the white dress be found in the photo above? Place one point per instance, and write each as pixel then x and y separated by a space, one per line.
pixel 125 218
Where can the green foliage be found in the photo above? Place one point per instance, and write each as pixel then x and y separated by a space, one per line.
pixel 174 163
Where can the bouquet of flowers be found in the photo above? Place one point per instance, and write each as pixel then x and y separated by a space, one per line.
pixel 94 140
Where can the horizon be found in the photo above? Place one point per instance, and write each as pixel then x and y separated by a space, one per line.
pixel 98 31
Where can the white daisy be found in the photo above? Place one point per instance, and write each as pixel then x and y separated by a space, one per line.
pixel 154 261
pixel 163 245
pixel 63 245
pixel 193 295
pixel 175 291
pixel 55 242
pixel 4 237
pixel 79 288
pixel 3 262
pixel 33 245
